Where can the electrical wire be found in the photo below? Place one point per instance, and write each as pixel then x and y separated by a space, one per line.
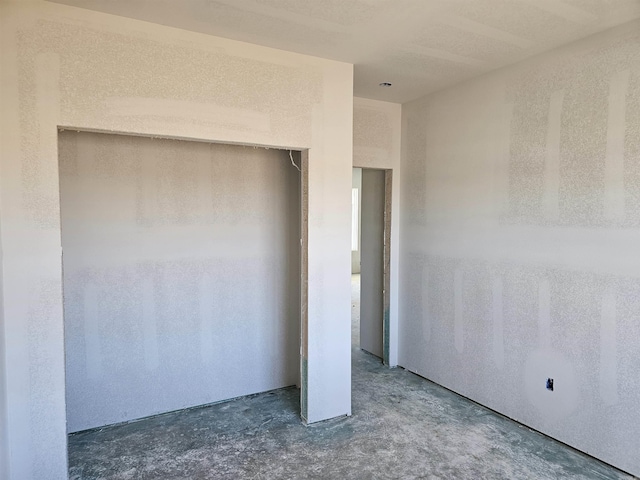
pixel 292 162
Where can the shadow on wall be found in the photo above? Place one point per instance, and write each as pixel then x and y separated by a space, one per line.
pixel 181 274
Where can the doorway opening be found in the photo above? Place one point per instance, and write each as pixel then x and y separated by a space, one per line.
pixel 181 273
pixel 370 260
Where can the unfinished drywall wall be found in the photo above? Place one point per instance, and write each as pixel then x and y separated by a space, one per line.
pixel 376 144
pixel 181 274
pixel 372 261
pixel 65 66
pixel 519 239
pixel 4 444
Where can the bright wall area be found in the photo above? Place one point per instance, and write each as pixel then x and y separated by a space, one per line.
pixel 376 144
pixel 64 66
pixel 181 274
pixel 356 183
pixel 520 234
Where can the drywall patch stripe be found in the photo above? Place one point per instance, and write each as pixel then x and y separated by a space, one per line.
pixel 544 314
pixel 498 322
pixel 426 318
pixel 205 192
pixel 614 159
pixel 93 350
pixel 458 327
pixel 206 318
pixel 45 210
pixel 608 350
pixel 550 203
pixel 209 113
pixel 502 167
pixel 151 356
pixel 148 200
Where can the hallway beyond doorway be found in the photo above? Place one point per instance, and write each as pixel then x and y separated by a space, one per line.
pixel 355 310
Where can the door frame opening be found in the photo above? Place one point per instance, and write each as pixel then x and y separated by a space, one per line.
pixel 386 257
pixel 301 156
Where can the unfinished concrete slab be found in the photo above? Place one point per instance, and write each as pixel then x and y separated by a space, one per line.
pixel 402 427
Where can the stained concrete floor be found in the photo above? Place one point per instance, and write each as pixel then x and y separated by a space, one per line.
pixel 402 427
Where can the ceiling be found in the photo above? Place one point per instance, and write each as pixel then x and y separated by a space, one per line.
pixel 419 46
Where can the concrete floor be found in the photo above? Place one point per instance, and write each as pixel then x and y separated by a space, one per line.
pixel 402 427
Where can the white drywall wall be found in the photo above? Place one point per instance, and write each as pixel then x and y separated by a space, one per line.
pixel 65 66
pixel 4 444
pixel 520 234
pixel 181 274
pixel 376 144
pixel 372 262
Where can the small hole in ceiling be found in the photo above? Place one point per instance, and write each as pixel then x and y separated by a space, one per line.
pixel 385 84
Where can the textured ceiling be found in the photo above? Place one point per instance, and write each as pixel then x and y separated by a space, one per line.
pixel 418 45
